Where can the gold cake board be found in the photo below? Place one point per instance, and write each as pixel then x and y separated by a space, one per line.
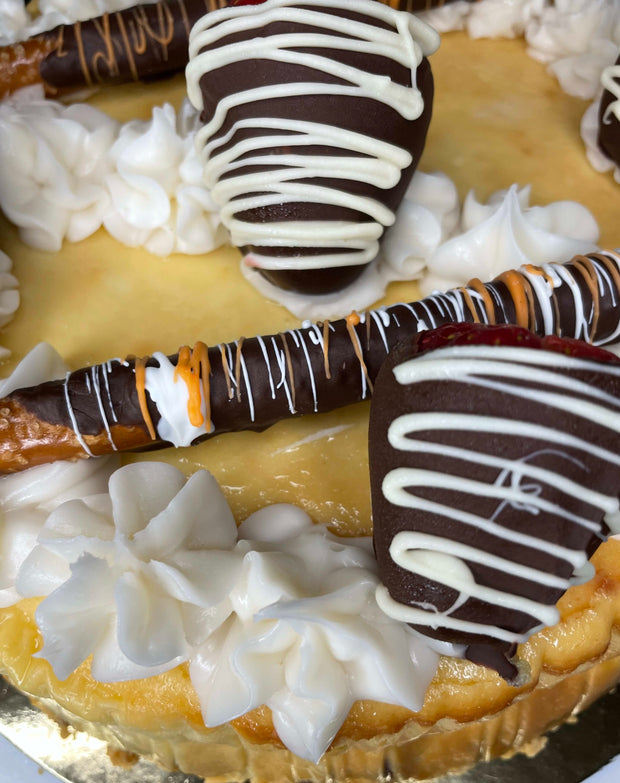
pixel 569 754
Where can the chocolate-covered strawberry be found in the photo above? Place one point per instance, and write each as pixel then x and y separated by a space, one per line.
pixel 495 460
pixel 315 118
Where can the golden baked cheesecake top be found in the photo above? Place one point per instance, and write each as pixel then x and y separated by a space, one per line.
pixel 96 300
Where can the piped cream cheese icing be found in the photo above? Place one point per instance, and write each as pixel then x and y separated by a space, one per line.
pixel 153 572
pixel 172 396
pixel 14 19
pixel 306 638
pixel 53 161
pixel 506 233
pixel 9 290
pixel 575 38
pixel 485 18
pixel 133 576
pixel 578 39
pixel 157 197
pixel 68 170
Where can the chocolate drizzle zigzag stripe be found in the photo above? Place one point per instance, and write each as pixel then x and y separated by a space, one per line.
pixel 579 399
pixel 316 368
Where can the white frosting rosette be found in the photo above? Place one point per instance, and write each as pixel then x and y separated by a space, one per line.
pixel 134 576
pixel 68 170
pixel 427 216
pixel 506 233
pixel 14 18
pixel 578 39
pixel 75 10
pixel 53 159
pixel 9 295
pixel 485 18
pixel 153 572
pixel 157 196
pixel 306 636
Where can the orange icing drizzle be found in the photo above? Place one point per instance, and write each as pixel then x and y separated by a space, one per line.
pixel 193 368
pixel 108 56
pixel 352 320
pixel 59 46
pixel 135 31
pixel 82 54
pixel 328 373
pixel 611 267
pixel 186 24
pixel 142 31
pixel 478 286
pixel 130 57
pixel 515 283
pixel 537 270
pixel 470 304
pixel 140 371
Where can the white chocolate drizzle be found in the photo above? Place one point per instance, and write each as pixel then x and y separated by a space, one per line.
pixel 73 419
pixel 296 372
pixel 518 482
pixel 94 372
pixel 361 157
pixel 610 79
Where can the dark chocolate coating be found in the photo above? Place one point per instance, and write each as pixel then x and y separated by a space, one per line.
pixel 609 129
pixel 361 115
pixel 452 395
pixel 142 42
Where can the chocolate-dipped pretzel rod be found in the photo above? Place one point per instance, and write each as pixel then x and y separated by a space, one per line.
pixel 252 383
pixel 138 43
